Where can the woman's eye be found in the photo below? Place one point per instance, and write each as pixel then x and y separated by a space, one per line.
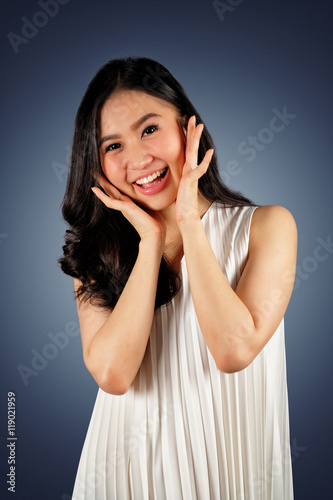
pixel 111 147
pixel 149 130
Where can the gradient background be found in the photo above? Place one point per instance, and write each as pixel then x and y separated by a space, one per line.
pixel 262 55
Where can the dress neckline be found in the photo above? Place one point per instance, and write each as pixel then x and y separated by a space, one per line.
pixel 208 209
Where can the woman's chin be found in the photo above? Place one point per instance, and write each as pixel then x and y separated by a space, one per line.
pixel 157 205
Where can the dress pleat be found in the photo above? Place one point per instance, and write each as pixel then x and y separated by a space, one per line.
pixel 184 430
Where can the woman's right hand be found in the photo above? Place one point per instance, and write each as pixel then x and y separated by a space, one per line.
pixel 149 224
pixel 113 348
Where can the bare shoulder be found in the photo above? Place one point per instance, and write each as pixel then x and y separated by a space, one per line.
pixel 272 223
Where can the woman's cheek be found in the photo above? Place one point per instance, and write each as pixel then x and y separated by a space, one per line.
pixel 110 173
pixel 174 150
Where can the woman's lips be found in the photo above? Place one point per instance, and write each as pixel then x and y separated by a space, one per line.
pixel 154 186
pixel 154 173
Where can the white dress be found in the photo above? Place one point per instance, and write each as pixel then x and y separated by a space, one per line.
pixel 185 430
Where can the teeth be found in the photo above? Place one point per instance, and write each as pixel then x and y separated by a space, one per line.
pixel 150 178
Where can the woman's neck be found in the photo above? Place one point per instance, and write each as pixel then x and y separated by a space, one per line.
pixel 173 240
pixel 169 214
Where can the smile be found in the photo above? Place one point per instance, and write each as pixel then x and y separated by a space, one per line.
pixel 154 183
pixel 151 178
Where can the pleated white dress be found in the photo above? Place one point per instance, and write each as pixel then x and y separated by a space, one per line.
pixel 185 430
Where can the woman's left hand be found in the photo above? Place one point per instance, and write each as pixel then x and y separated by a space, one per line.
pixel 187 208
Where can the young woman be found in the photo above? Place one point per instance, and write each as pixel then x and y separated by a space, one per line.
pixel 181 286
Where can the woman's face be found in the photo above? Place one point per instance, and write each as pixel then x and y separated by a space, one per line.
pixel 142 147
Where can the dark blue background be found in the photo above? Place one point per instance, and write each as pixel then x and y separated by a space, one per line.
pixel 262 55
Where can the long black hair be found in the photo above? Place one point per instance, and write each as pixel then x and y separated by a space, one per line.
pixel 101 246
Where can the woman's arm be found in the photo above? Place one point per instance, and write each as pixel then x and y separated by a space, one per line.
pixel 237 324
pixel 114 343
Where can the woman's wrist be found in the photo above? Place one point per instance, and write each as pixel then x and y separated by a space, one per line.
pixel 152 245
pixel 189 226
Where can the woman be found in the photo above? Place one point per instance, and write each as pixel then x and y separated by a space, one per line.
pixel 181 286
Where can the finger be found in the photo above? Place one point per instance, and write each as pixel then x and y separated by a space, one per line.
pixel 114 204
pixel 101 195
pixel 193 141
pixel 192 147
pixel 202 168
pixel 208 156
pixel 191 124
pixel 205 162
pixel 109 188
pixel 102 181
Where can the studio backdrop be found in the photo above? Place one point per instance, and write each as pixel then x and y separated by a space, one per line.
pixel 260 74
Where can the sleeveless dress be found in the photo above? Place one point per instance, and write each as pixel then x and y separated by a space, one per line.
pixel 184 430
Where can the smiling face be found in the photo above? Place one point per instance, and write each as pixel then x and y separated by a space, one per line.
pixel 142 147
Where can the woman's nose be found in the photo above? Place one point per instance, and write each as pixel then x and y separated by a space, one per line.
pixel 138 157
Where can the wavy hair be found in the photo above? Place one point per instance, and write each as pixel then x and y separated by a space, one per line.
pixel 101 246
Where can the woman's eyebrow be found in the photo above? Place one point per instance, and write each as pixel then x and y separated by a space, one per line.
pixel 135 125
